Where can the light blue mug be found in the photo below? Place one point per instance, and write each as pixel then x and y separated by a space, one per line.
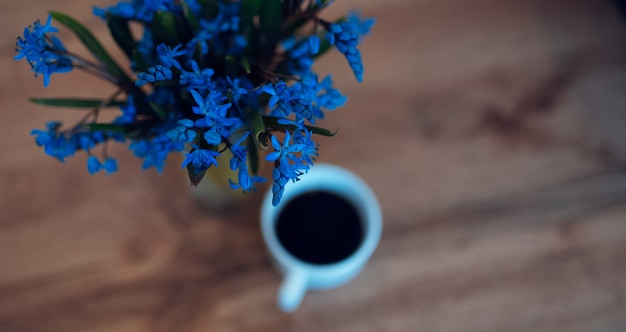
pixel 299 276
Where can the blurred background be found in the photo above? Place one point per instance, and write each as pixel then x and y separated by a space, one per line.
pixel 491 131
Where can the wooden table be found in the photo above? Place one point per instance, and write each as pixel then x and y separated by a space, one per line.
pixel 493 133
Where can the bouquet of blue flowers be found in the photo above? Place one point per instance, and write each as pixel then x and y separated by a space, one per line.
pixel 207 76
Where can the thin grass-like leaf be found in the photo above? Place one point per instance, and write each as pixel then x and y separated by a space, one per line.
pixel 140 63
pixel 166 28
pixel 253 156
pixel 121 34
pixel 92 44
pixel 191 19
pixel 159 110
pixel 272 122
pixel 76 102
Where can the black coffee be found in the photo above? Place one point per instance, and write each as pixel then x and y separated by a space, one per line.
pixel 319 227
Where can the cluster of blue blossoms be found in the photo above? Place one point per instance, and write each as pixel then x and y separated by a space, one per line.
pixel 211 76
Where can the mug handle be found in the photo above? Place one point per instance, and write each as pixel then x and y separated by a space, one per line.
pixel 292 290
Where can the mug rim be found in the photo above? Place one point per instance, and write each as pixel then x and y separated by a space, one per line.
pixel 363 199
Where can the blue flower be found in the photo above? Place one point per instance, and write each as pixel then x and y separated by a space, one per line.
pixel 54 143
pixel 45 53
pixel 217 32
pixel 212 103
pixel 141 10
pixel 155 148
pixel 234 88
pixel 203 36
pixel 44 136
pixel 183 133
pixel 278 186
pixel 286 100
pixel 197 79
pixel 239 152
pixel 154 151
pixel 284 151
pixel 237 45
pixel 288 164
pixel 168 56
pixel 195 6
pixel 110 165
pixel 328 97
pixel 145 47
pixel 314 44
pixel 200 159
pixel 162 95
pixel 298 123
pixel 215 121
pixel 207 100
pixel 228 16
pixel 86 140
pixel 309 147
pixel 346 37
pixel 321 95
pixel 128 112
pixel 61 145
pixel 154 74
pixel 301 52
pixel 147 8
pixel 122 9
pixel 239 163
pixel 93 165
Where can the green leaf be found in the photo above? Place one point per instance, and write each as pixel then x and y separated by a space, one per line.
pixel 191 19
pixel 270 24
pixel 231 66
pixel 166 28
pixel 167 83
pixel 159 110
pixel 141 105
pixel 195 175
pixel 325 46
pixel 92 44
pixel 259 131
pixel 122 129
pixel 245 64
pixel 272 122
pixel 76 102
pixel 121 34
pixel 210 8
pixel 270 16
pixel 253 156
pixel 133 130
pixel 249 10
pixel 141 65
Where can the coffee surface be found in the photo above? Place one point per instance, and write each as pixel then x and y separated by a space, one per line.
pixel 319 227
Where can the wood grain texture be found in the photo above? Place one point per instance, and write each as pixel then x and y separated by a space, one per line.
pixel 491 131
